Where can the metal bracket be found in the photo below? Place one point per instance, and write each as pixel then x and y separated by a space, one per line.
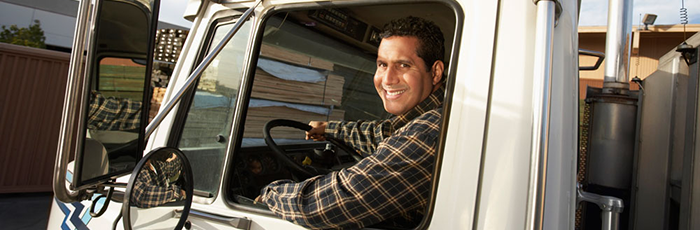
pixel 600 55
pixel 236 222
pixel 557 9
pixel 611 207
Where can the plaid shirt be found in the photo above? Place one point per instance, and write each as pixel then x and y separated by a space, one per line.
pixel 392 183
pixel 364 135
pixel 153 185
pixel 113 114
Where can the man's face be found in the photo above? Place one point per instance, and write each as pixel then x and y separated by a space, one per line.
pixel 402 80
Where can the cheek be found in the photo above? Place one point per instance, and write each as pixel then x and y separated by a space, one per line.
pixel 377 82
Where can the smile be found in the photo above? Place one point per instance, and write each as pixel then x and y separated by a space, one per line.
pixel 395 92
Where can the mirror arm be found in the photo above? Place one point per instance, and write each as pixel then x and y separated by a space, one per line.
pixel 116 221
pixel 198 72
pixel 108 198
pixel 68 126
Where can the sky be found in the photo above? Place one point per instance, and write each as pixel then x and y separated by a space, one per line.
pixel 593 12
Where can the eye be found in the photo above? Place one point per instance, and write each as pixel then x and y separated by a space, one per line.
pixel 381 64
pixel 404 65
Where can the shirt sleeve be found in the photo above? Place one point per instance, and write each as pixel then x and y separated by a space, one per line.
pixel 148 193
pixel 363 136
pixel 391 182
pixel 113 114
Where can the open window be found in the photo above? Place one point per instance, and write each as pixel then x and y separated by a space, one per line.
pixel 313 64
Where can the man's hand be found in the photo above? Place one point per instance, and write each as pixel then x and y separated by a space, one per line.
pixel 258 200
pixel 318 130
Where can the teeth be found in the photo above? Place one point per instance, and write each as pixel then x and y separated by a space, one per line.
pixel 395 93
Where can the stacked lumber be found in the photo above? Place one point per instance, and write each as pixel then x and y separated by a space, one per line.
pixel 291 57
pixel 270 87
pixel 169 44
pixel 208 85
pixel 156 101
pixel 258 116
pixel 324 94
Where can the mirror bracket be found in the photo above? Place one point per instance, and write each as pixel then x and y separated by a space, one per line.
pixel 107 197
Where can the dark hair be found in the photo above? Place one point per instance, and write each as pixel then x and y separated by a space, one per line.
pixel 431 43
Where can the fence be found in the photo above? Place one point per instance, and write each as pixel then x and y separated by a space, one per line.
pixel 32 86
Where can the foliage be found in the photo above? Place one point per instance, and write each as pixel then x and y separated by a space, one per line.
pixel 32 36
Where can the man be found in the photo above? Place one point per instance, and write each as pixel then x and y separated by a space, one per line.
pixel 392 183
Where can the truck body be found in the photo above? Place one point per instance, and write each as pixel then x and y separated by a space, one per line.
pixel 508 155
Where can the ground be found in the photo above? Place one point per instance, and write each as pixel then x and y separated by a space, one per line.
pixel 25 211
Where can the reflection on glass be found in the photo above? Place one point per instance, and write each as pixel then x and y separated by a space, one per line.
pixel 118 69
pixel 114 116
pixel 159 191
pixel 208 123
pixel 159 182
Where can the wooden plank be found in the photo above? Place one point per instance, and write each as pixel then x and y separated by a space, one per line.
pixel 269 87
pixel 258 116
pixel 269 51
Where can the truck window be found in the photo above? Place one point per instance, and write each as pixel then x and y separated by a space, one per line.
pixel 211 107
pixel 314 65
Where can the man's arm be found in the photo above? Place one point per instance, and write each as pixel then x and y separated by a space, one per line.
pixel 391 182
pixel 146 194
pixel 113 114
pixel 363 136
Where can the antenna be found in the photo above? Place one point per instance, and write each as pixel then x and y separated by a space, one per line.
pixel 684 48
pixel 684 18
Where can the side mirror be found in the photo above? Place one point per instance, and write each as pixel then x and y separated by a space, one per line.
pixel 159 193
pixel 105 111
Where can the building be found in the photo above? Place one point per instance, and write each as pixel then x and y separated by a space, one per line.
pixel 648 46
pixel 57 18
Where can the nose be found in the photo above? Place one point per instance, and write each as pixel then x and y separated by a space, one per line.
pixel 389 76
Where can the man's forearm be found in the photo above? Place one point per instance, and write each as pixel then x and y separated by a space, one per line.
pixel 363 136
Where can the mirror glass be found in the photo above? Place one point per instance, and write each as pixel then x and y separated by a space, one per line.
pixel 159 191
pixel 119 66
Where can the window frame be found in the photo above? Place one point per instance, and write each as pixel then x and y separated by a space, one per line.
pixel 229 16
pixel 247 85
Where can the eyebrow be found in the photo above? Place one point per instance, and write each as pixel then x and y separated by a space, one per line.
pixel 405 61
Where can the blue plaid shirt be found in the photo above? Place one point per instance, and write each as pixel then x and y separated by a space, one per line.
pixel 391 182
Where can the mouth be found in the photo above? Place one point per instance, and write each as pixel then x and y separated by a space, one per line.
pixel 394 93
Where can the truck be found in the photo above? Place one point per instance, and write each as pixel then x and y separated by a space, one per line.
pixel 517 149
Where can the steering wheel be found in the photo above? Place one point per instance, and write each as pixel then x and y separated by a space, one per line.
pixel 301 171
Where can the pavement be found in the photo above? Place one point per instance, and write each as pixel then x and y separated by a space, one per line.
pixel 25 211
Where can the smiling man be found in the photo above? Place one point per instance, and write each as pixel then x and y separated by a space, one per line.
pixel 392 183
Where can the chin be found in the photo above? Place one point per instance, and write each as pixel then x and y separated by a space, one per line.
pixel 395 111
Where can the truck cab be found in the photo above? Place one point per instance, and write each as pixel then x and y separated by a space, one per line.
pixel 509 135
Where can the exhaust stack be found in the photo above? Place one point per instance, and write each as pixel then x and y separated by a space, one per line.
pixel 611 114
pixel 618 46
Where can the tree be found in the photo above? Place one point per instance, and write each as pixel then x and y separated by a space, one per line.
pixel 32 36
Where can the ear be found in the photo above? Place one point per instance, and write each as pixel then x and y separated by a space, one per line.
pixel 437 70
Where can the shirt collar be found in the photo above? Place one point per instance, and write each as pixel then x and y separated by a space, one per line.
pixel 433 101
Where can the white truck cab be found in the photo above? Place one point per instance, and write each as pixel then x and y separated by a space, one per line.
pixel 508 150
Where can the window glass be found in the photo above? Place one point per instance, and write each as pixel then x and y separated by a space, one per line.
pixel 208 122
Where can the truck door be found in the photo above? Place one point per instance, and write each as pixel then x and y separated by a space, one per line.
pixel 303 62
